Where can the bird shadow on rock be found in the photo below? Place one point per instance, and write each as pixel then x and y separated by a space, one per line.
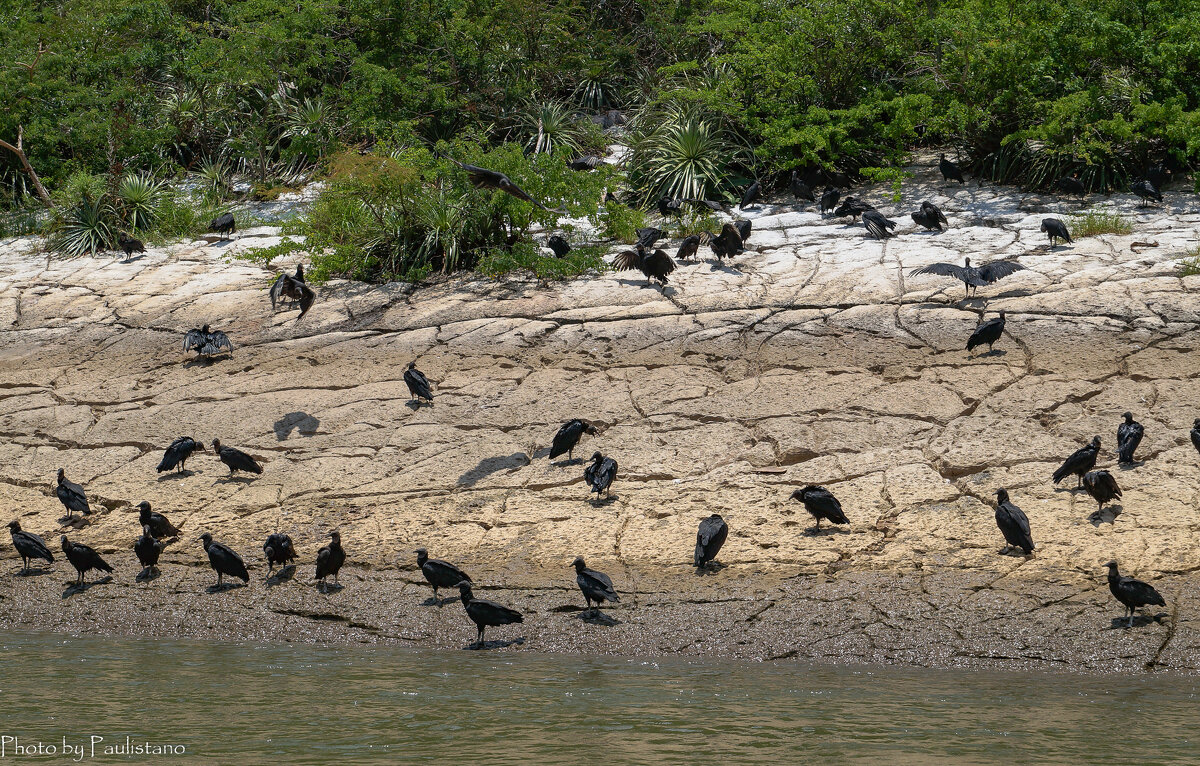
pixel 235 479
pixel 602 501
pixel 225 586
pixel 993 352
pixel 439 602
pixel 284 574
pixel 31 572
pixel 204 361
pixel 815 532
pixel 295 421
pixel 74 522
pixel 416 404
pixel 565 463
pixel 1139 621
pixel 148 575
pixel 491 465
pixel 478 646
pixel 173 475
pixel 76 587
pixel 594 616
pixel 331 587
pixel 711 568
pixel 1130 466
pixel 719 266
pixel 1105 515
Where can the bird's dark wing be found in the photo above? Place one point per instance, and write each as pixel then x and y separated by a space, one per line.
pixel 566 438
pixel 417 380
pixel 219 340
pixel 1080 458
pixel 307 297
pixel 1129 436
pixel 940 269
pixel 1141 592
pixel 193 339
pixel 608 471
pixel 277 289
pixel 659 263
pixel 445 572
pixel 828 505
pixel 627 260
pixel 990 272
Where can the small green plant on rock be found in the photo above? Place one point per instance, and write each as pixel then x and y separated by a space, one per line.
pixel 1092 224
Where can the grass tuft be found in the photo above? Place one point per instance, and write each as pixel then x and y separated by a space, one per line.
pixel 1092 224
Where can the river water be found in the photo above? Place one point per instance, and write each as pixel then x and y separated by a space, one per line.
pixel 233 703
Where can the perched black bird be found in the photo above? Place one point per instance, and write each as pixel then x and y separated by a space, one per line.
pixel 668 206
pixel 750 195
pixel 648 236
pixel 279 550
pixel 559 245
pixel 655 266
pixel 726 244
pixel 223 224
pixel 486 613
pixel 235 459
pixel 330 559
pixel 1013 523
pixel 567 437
pixel 440 574
pixel 418 384
pixel 971 276
pixel 930 216
pixel 1080 462
pixel 1133 594
pixel 178 453
pixel 743 228
pixel 160 525
pixel 83 558
pixel 821 503
pixel 829 199
pixel 989 332
pixel 688 248
pixel 1146 191
pixel 1195 434
pixel 709 539
pixel 800 189
pixel 206 342
pixel 1158 176
pixel 224 560
pixel 1102 487
pixel 1129 436
pixel 1072 185
pixel 590 162
pixel 130 245
pixel 596 586
pixel 950 171
pixel 879 226
pixel 853 207
pixel 1055 229
pixel 28 545
pixel 483 178
pixel 294 289
pixel 148 550
pixel 71 495
pixel 712 204
pixel 600 474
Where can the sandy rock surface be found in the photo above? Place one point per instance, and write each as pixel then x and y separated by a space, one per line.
pixel 814 358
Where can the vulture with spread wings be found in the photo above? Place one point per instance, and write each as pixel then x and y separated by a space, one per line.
pixel 971 276
pixel 656 265
pixel 483 178
pixel 293 289
pixel 206 342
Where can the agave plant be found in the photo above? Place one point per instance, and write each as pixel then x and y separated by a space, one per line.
pixel 215 176
pixel 552 127
pixel 444 218
pixel 680 153
pixel 85 229
pixel 138 195
pixel 310 117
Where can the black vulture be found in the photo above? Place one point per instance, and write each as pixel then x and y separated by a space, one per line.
pixel 668 206
pixel 879 226
pixel 130 245
pixel 853 207
pixel 418 384
pixel 566 438
pixel 223 224
pixel 1102 487
pixel 83 558
pixel 589 162
pixel 950 171
pixel 278 549
pixel 750 195
pixel 439 574
pixel 655 266
pixel 712 204
pixel 1055 229
pixel 800 189
pixel 609 119
pixel 1072 185
pixel 1146 191
pixel 743 229
pixel 178 453
pixel 829 199
pixel 224 560
pixel 821 503
pixel 648 236
pixel 971 276
pixel 160 525
pixel 1013 523
pixel 483 178
pixel 294 289
pixel 688 248
pixel 726 244
pixel 989 332
pixel 1129 436
pixel 1195 434
pixel 148 549
pixel 709 539
pixel 559 245
pixel 206 342
pixel 930 216
pixel 330 559
pixel 596 586
pixel 235 459
pixel 600 474
pixel 486 613
pixel 1158 176
pixel 1080 462
pixel 28 545
pixel 71 495
pixel 1133 594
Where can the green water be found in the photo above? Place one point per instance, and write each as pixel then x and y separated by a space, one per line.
pixel 294 704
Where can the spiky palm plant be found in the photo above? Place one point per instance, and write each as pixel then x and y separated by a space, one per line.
pixel 445 220
pixel 137 196
pixel 552 127
pixel 681 153
pixel 85 229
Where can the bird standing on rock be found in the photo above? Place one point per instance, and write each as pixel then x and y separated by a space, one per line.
pixel 235 459
pixel 654 266
pixel 1146 191
pixel 1013 523
pixel 930 216
pixel 438 573
pixel 821 503
pixel 1195 434
pixel 726 244
pixel 949 170
pixel 130 246
pixel 709 539
pixel 206 342
pixel 1129 436
pixel 28 545
pixel 989 332
pixel 486 613
pixel 177 454
pixel 566 438
pixel 688 248
pixel 600 474
pixel 751 195
pixel 330 559
pixel 418 384
pixel 148 549
pixel 829 200
pixel 800 189
pixel 1133 594
pixel 596 586
pixel 1055 229
pixel 1080 462
pixel 71 495
pixel 1102 487
pixel 223 224
pixel 878 225
pixel 971 276
pixel 83 558
pixel 159 524
pixel 279 550
pixel 294 289
pixel 224 560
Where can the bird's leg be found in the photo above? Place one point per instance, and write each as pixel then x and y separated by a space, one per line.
pixel 218 579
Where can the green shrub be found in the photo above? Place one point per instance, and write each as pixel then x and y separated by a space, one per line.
pixel 1190 266
pixel 526 257
pixel 618 221
pixel 1092 224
